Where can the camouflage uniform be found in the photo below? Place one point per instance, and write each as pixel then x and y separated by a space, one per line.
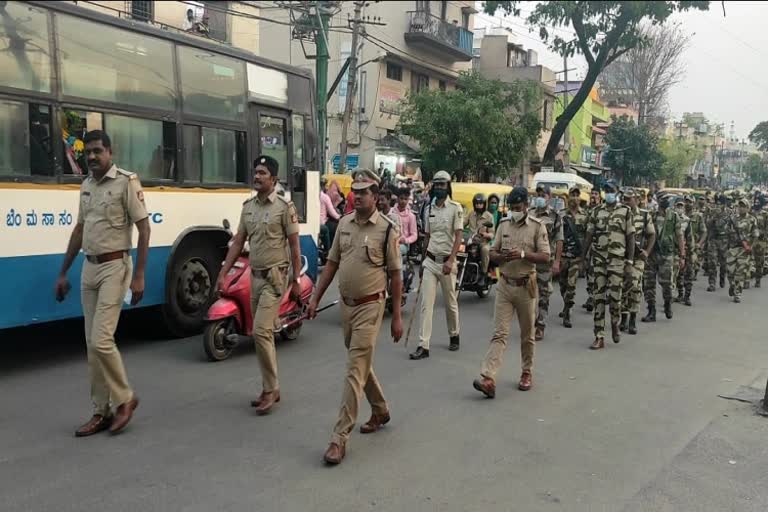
pixel 740 229
pixel 700 221
pixel 759 249
pixel 717 245
pixel 633 286
pixel 590 275
pixel 609 226
pixel 551 221
pixel 574 233
pixel 664 261
pixel 685 222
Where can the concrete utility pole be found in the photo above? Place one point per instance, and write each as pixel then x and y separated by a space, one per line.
pixel 321 85
pixel 351 85
pixel 567 133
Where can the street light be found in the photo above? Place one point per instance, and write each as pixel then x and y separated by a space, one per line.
pixel 378 58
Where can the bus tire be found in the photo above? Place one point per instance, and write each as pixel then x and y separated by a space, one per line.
pixel 191 287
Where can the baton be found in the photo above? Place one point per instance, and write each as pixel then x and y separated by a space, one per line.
pixel 413 311
pixel 305 317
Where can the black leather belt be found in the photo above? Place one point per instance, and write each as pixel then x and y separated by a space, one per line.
pixel 363 300
pixel 437 259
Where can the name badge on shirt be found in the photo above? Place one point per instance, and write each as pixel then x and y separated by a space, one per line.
pixel 266 218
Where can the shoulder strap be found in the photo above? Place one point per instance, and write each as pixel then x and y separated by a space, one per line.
pixel 386 243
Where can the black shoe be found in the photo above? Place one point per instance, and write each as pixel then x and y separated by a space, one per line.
pixel 421 353
pixel 757 283
pixel 590 305
pixel 567 319
pixel 737 299
pixel 730 291
pixel 632 328
pixel 624 320
pixel 668 309
pixel 615 334
pixel 711 288
pixel 651 316
pixel 678 299
pixel 722 280
pixel 454 345
pixel 687 300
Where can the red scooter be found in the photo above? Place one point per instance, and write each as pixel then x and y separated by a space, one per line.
pixel 230 319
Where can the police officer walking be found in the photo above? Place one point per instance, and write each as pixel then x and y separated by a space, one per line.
pixel 111 202
pixel 574 222
pixel 645 238
pixel 612 230
pixel 269 223
pixel 367 244
pixel 442 240
pixel 520 244
pixel 544 272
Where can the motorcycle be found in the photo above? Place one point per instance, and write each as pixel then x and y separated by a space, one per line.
pixel 408 273
pixel 229 321
pixel 469 261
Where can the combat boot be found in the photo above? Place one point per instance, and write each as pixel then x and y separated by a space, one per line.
pixel 624 320
pixel 668 308
pixel 567 318
pixel 615 334
pixel 737 299
pixel 651 316
pixel 632 328
pixel 687 299
pixel 757 283
pixel 590 304
pixel 746 285
pixel 722 279
pixel 711 288
pixel 730 291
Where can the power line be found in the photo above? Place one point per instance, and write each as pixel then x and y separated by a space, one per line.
pixel 379 42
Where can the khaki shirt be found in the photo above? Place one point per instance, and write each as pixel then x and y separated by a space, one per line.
pixel 472 221
pixel 267 225
pixel 108 210
pixel 360 247
pixel 442 225
pixel 530 235
pixel 610 227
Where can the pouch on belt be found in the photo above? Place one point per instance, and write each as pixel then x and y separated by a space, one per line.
pixel 533 287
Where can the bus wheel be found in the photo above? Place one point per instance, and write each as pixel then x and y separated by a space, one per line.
pixel 191 285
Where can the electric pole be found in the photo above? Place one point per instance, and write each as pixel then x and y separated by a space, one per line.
pixel 321 84
pixel 566 134
pixel 351 85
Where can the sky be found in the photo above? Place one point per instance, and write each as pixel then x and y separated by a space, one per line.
pixel 725 75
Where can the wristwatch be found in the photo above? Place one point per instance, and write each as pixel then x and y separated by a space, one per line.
pixel 522 255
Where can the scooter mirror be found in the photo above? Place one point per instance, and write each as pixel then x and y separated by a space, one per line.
pixel 225 223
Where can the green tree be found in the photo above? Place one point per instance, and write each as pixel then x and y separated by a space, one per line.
pixel 679 156
pixel 604 32
pixel 759 135
pixel 483 126
pixel 756 170
pixel 633 151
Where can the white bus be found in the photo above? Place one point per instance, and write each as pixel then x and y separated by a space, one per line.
pixel 187 115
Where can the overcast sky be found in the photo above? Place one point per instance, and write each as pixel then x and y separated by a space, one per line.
pixel 726 77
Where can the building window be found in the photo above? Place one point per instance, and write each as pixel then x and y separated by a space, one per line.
pixel 141 10
pixel 394 72
pixel 465 20
pixel 24 59
pixel 25 139
pixel 441 85
pixel 420 82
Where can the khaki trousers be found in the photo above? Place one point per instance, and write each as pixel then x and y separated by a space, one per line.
pixel 361 328
pixel 511 301
pixel 265 304
pixel 433 274
pixel 102 289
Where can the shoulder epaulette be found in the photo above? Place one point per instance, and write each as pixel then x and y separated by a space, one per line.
pixel 381 216
pixel 128 174
pixel 503 219
pixel 534 219
pixel 285 200
pixel 248 200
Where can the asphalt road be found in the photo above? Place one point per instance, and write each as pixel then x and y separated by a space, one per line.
pixel 635 427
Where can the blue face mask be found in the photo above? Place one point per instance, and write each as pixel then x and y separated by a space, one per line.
pixel 440 193
pixel 540 202
pixel 610 198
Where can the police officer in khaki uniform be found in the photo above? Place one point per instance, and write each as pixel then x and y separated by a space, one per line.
pixel 443 237
pixel 270 225
pixel 520 245
pixel 477 225
pixel 366 243
pixel 111 202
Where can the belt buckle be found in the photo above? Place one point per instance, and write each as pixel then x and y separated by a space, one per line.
pixel 440 259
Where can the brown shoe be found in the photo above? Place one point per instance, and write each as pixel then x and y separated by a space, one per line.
pixel 526 381
pixel 335 453
pixel 539 334
pixel 486 386
pixel 597 344
pixel 267 401
pixel 96 424
pixel 375 423
pixel 123 415
pixel 257 402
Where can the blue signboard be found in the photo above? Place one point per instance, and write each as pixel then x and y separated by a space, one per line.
pixel 352 161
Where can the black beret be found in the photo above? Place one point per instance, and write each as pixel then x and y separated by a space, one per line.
pixel 268 162
pixel 518 195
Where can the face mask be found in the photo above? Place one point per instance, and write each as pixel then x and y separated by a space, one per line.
pixel 440 193
pixel 610 198
pixel 540 202
pixel 516 216
pixel 493 207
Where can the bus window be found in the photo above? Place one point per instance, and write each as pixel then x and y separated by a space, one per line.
pixel 25 58
pixel 212 85
pixel 116 65
pixel 297 122
pixel 214 156
pixel 144 146
pixel 74 125
pixel 272 133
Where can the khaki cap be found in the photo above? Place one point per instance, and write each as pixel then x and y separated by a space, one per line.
pixel 364 178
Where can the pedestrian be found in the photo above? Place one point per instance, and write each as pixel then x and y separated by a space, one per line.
pixel 544 272
pixel 645 238
pixel 270 224
pixel 594 201
pixel 666 260
pixel 760 247
pixel 520 245
pixel 367 244
pixel 717 242
pixel 111 202
pixel 443 237
pixel 574 222
pixel 741 228
pixel 611 237
pixel 475 224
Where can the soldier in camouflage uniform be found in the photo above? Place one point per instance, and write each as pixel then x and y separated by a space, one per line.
pixel 741 228
pixel 645 238
pixel 612 229
pixel 574 222
pixel 759 249
pixel 717 246
pixel 695 237
pixel 551 220
pixel 699 214
pixel 688 237
pixel 594 202
pixel 667 257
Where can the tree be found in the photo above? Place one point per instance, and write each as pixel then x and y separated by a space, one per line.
pixel 759 135
pixel 483 126
pixel 633 151
pixel 679 157
pixel 644 75
pixel 604 32
pixel 756 170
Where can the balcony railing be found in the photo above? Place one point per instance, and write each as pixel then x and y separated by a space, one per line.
pixel 425 27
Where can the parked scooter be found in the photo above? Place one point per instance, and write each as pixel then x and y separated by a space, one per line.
pixel 469 261
pixel 230 319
